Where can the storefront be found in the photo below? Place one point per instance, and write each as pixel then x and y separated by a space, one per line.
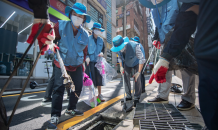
pixel 16 19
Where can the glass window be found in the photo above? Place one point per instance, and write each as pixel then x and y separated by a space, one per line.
pixel 13 36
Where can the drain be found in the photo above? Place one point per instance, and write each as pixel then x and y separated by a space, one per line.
pixel 101 122
pixel 102 125
pixel 159 116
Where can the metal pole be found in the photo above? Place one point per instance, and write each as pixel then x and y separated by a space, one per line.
pixel 22 91
pixel 147 60
pixel 124 19
pixel 19 63
pixel 155 57
pixel 35 55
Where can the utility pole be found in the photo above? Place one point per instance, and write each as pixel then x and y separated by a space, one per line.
pixel 124 19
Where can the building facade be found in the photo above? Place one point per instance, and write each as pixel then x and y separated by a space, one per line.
pixel 136 22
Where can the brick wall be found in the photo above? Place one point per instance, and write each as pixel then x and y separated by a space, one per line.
pixel 140 19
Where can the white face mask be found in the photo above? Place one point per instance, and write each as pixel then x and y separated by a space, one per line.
pixel 97 32
pixel 76 20
pixel 124 48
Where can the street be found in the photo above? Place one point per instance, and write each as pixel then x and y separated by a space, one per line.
pixel 31 115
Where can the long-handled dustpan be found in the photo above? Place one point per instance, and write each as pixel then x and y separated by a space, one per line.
pixel 129 107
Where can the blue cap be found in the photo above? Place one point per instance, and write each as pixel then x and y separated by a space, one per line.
pixel 97 25
pixel 119 43
pixel 79 9
pixel 137 39
pixel 149 4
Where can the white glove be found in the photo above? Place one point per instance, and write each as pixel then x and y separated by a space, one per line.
pixel 121 70
pixel 53 47
pixel 101 54
pixel 136 75
pixel 87 60
pixel 159 71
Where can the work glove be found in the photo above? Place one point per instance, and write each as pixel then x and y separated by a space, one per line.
pixel 121 70
pixel 159 71
pixel 87 60
pixel 101 54
pixel 45 38
pixel 136 75
pixel 53 47
pixel 157 44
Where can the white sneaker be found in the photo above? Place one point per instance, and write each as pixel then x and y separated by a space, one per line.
pixel 53 124
pixel 101 97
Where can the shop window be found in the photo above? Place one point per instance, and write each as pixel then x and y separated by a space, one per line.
pixel 14 34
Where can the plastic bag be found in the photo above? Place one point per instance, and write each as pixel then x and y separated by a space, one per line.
pixel 186 60
pixel 88 94
pixel 106 71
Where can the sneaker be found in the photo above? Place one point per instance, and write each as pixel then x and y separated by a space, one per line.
pixel 74 112
pixel 46 101
pixel 158 100
pixel 53 123
pixel 101 98
pixel 135 102
pixel 185 105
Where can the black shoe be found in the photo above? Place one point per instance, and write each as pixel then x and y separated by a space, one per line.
pixel 185 105
pixel 46 101
pixel 127 99
pixel 53 123
pixel 74 112
pixel 158 100
pixel 135 102
pixel 176 88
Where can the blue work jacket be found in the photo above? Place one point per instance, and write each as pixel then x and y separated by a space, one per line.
pixel 94 49
pixel 130 58
pixel 166 15
pixel 71 48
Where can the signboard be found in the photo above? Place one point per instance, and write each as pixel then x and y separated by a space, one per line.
pixel 121 28
pixel 121 15
pixel 58 6
pixel 103 3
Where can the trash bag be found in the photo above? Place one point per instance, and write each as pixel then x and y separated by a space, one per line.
pixel 186 59
pixel 107 72
pixel 3 115
pixel 88 94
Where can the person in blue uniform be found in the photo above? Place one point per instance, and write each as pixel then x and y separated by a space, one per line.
pixel 130 52
pixel 137 39
pixel 95 49
pixel 72 40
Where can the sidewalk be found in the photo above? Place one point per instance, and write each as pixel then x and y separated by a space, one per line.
pixel 192 115
pixel 116 112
